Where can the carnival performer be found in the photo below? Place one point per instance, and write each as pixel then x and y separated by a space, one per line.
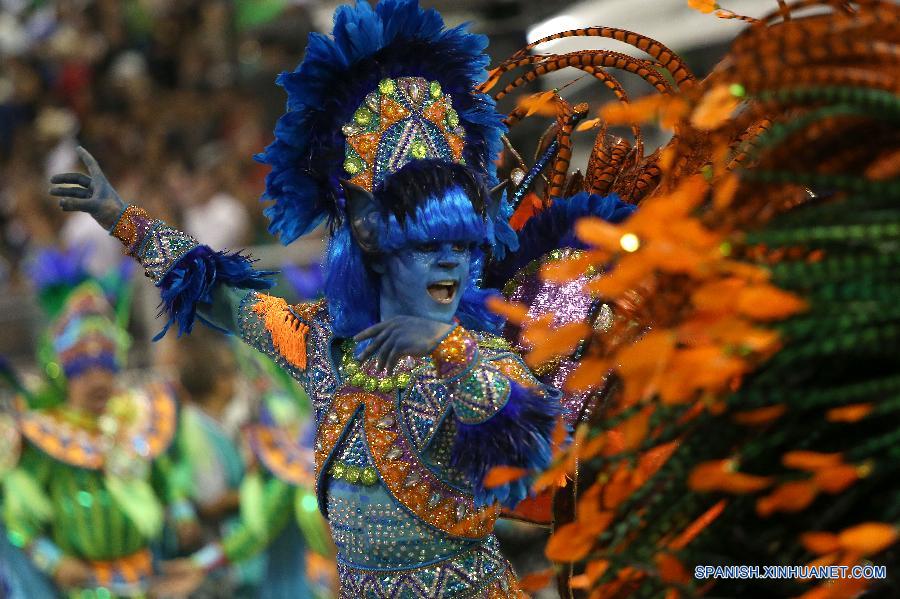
pixel 92 488
pixel 265 551
pixel 416 397
pixel 19 577
pixel 209 441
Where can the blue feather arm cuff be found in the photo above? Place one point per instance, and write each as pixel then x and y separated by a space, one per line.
pixel 192 279
pixel 518 435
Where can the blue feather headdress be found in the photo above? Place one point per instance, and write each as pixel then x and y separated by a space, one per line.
pixel 394 39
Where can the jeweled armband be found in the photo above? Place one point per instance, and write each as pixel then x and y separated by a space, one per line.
pixel 477 389
pixel 155 245
pixel 131 227
pixel 455 353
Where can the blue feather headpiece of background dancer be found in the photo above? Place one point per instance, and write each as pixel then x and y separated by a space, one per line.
pixel 386 138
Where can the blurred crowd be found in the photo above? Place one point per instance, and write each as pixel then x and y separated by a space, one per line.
pixel 172 97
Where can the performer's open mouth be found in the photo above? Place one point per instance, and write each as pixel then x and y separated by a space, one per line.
pixel 443 292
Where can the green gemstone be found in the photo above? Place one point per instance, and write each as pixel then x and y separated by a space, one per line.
pixel 452 118
pixel 352 367
pixel 386 384
pixel 387 86
pixel 737 90
pixel 362 116
pixel 403 380
pixel 338 470
pixel 418 150
pixel 369 476
pixel 434 88
pixel 358 379
pixel 351 473
pixel 370 384
pixel 352 166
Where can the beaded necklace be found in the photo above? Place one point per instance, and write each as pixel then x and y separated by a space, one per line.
pixel 355 373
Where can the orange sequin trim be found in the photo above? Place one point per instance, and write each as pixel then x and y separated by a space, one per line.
pixel 288 332
pixel 515 370
pixel 125 231
pixel 131 569
pixel 507 588
pixel 410 481
pixel 47 431
pixel 453 348
pixel 278 450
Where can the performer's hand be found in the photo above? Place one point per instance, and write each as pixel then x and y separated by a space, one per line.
pixel 401 336
pixel 72 573
pixel 180 578
pixel 92 194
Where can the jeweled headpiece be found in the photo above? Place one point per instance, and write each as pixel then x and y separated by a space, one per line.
pixel 84 330
pixel 404 119
pixel 390 85
pixel 85 335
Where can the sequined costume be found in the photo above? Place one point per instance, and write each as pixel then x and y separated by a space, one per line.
pixel 95 486
pixel 72 463
pixel 388 139
pixel 404 520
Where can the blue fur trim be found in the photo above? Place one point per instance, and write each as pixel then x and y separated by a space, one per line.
pixel 473 313
pixel 396 38
pixel 351 288
pixel 192 279
pixel 553 228
pixel 517 435
pixel 505 238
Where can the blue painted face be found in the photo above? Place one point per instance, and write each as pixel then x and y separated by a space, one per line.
pixel 425 280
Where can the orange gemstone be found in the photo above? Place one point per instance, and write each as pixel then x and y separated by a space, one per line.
pixel 365 145
pixel 436 114
pixel 456 145
pixel 391 112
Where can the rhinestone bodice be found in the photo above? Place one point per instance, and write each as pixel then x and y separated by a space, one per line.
pixel 370 527
pixel 403 519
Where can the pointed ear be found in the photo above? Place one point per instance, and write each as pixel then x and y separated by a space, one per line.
pixel 495 196
pixel 363 213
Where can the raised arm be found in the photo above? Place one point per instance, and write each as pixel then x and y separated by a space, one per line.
pixel 194 280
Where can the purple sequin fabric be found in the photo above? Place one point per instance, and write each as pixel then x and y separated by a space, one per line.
pixel 569 303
